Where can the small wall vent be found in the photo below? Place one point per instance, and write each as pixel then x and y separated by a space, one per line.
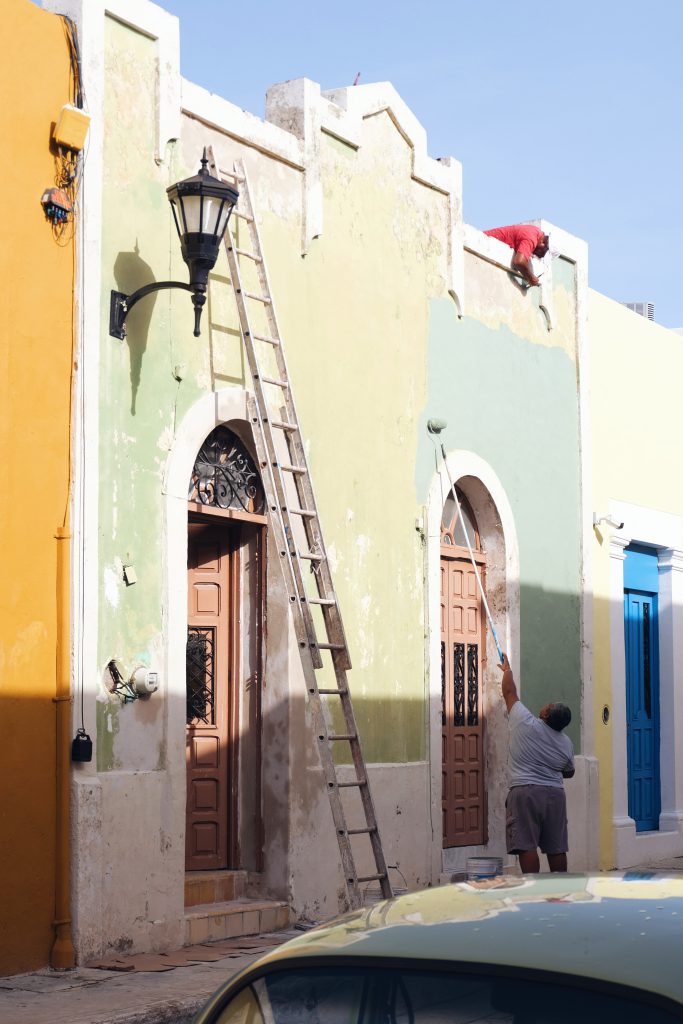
pixel 646 309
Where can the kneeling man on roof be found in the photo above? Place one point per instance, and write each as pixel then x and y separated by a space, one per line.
pixel 527 241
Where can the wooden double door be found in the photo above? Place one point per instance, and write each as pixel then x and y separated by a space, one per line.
pixel 462 647
pixel 223 682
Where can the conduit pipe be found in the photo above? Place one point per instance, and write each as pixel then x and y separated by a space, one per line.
pixel 62 954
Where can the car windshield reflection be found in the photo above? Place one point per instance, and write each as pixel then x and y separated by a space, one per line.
pixel 381 996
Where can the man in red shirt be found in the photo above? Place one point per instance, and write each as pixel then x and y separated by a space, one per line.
pixel 527 241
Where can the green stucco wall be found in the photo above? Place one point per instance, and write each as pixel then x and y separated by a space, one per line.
pixel 514 403
pixel 372 355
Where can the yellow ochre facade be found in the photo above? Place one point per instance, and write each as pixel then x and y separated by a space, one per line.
pixel 36 313
pixel 635 368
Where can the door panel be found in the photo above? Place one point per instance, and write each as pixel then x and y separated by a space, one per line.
pixel 208 661
pixel 463 793
pixel 642 708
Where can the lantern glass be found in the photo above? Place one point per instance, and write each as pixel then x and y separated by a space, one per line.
pixel 205 215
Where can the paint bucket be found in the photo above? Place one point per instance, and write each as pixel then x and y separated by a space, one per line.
pixel 483 867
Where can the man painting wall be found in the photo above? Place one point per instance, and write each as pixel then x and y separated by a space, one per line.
pixel 540 758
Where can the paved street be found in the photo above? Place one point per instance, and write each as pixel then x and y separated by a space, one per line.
pixel 88 996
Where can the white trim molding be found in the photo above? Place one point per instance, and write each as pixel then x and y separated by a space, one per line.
pixel 664 532
pixel 497 525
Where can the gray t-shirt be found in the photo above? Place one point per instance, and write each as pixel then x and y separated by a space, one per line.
pixel 538 754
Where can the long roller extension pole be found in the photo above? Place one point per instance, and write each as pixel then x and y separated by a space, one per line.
pixel 435 427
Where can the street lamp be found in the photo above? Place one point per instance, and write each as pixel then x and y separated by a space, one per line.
pixel 201 208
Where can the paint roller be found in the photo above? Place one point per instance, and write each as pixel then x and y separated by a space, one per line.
pixel 435 427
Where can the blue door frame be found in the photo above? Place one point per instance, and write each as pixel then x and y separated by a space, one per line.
pixel 641 583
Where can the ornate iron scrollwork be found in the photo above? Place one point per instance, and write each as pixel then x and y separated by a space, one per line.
pixel 473 684
pixel 200 676
pixel 224 474
pixel 458 684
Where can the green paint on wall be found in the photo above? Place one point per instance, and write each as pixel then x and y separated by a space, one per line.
pixel 515 405
pixel 340 147
pixel 564 274
pixel 107 729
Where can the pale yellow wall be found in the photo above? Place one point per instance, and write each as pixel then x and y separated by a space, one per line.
pixel 635 370
pixel 36 303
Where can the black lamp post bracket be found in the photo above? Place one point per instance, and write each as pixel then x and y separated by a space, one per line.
pixel 121 304
pixel 201 208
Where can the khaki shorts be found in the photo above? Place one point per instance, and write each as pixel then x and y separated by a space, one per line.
pixel 536 816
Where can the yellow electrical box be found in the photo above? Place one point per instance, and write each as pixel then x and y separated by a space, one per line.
pixel 72 128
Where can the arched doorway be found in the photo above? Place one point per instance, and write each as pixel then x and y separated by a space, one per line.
pixel 226 594
pixel 462 656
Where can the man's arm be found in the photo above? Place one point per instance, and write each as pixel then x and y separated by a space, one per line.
pixel 510 695
pixel 521 264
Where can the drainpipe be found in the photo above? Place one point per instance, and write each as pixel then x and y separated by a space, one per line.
pixel 62 954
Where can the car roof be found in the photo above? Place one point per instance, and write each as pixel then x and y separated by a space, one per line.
pixel 619 927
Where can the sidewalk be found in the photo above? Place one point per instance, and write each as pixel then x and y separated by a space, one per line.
pixel 90 996
pixel 171 996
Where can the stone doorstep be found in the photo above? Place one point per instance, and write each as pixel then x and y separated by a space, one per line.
pixel 214 887
pixel 233 918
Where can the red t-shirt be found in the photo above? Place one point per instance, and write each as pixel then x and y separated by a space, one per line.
pixel 523 238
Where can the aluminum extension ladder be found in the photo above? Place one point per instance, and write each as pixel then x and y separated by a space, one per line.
pixel 296 527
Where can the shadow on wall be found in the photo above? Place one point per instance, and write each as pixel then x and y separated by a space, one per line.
pixel 27 834
pixel 299 834
pixel 131 272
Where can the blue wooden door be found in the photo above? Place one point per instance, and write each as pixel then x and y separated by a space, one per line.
pixel 642 708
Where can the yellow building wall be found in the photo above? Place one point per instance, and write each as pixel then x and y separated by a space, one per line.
pixel 36 309
pixel 635 369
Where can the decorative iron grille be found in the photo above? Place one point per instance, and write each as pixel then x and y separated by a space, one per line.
pixel 647 681
pixel 473 684
pixel 200 674
pixel 453 526
pixel 458 684
pixel 224 474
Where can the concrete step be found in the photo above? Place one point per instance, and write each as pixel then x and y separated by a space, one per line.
pixel 214 886
pixel 233 918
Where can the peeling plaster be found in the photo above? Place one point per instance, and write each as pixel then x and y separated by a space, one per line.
pixel 112 586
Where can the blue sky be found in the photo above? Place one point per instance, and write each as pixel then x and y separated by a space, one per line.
pixel 568 111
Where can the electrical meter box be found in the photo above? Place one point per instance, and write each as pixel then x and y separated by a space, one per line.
pixel 71 128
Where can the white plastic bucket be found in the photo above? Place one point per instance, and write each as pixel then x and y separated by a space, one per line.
pixel 483 867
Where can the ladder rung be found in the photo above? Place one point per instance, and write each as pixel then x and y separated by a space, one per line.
pixel 229 174
pixel 264 407
pixel 249 255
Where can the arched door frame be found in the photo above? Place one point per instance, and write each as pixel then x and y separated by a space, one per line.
pixel 495 520
pixel 227 407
